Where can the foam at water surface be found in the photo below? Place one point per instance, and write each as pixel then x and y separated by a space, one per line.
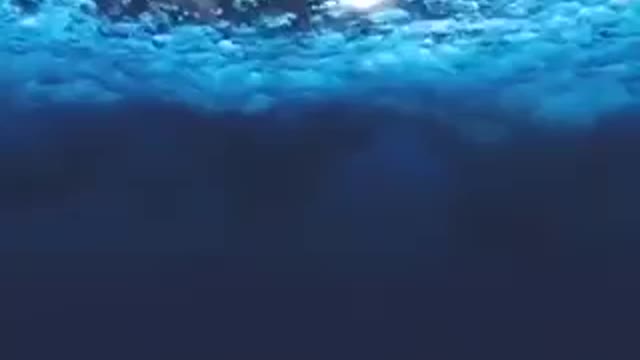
pixel 549 59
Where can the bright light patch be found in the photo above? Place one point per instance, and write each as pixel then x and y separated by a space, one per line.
pixel 29 22
pixel 361 4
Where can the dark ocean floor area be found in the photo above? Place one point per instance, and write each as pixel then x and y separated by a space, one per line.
pixel 155 232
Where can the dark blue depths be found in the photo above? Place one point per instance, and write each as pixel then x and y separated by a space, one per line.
pixel 154 231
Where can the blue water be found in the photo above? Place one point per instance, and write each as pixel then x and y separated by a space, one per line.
pixel 448 188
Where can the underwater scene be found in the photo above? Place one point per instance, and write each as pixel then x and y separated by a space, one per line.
pixel 319 179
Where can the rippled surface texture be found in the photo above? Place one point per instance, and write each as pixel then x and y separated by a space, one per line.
pixel 550 59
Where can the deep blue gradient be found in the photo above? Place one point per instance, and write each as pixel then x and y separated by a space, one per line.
pixel 151 231
pixel 420 179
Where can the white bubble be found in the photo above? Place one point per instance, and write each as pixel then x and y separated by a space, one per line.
pixel 361 4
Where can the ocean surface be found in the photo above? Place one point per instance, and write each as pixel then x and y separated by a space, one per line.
pixel 388 184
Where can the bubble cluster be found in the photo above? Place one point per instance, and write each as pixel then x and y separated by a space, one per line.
pixel 548 59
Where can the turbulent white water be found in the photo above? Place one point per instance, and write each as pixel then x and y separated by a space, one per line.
pixel 552 60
